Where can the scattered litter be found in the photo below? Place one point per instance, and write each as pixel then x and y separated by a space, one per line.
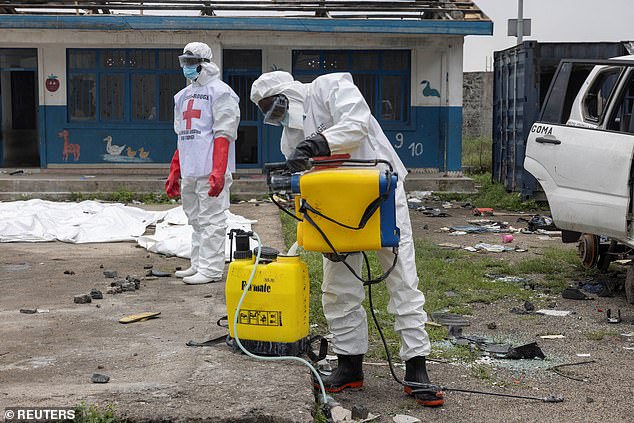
pixel 433 212
pixel 69 272
pixel 148 266
pixel 141 317
pixel 558 336
pixel 404 418
pixel 28 310
pixel 574 294
pixel 507 238
pixel 110 273
pixel 95 294
pixel 623 261
pixel 556 313
pixel 613 319
pixel 539 222
pixel 629 348
pixel 493 248
pixel 340 414
pixel 502 278
pixel 450 246
pixel 557 369
pixel 457 233
pixel 471 249
pixel 492 325
pixel 528 306
pixel 158 273
pixel 583 355
pixel 82 299
pixel 99 378
pixel 483 211
pixel 420 194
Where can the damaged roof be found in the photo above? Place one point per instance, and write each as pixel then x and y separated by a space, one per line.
pixel 376 16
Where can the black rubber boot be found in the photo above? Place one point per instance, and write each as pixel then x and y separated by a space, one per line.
pixel 417 384
pixel 348 374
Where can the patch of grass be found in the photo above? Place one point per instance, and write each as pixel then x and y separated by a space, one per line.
pixel 481 372
pixel 598 335
pixel 477 154
pixel 440 271
pixel 94 414
pixel 121 196
pixel 494 195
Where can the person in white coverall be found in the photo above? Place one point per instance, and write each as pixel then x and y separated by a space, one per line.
pixel 329 116
pixel 206 118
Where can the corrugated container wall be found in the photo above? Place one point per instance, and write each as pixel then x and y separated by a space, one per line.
pixel 522 75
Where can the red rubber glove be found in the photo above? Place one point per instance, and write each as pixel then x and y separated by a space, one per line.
pixel 221 157
pixel 172 187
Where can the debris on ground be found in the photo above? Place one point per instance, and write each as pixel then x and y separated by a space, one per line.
pixel 556 313
pixel 141 317
pixel 574 294
pixel 110 273
pixel 483 211
pixel 404 418
pixel 99 378
pixel 82 299
pixel 95 294
pixel 158 273
pixel 69 272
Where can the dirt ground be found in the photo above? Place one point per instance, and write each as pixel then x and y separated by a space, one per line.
pixel 596 391
pixel 49 357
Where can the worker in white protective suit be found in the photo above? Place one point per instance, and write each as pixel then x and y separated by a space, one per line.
pixel 330 117
pixel 206 118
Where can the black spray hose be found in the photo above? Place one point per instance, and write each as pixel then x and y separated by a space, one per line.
pixel 424 387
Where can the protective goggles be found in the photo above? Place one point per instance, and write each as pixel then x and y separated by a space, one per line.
pixel 190 60
pixel 274 109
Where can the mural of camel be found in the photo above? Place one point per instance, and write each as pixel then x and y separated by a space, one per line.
pixel 68 147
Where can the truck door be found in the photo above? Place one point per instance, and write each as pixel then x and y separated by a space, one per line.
pixel 580 151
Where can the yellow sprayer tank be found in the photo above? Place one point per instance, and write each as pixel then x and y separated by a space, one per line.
pixel 273 318
pixel 343 194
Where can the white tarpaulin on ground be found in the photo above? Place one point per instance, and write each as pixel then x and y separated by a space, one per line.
pixel 92 221
pixel 87 221
pixel 173 235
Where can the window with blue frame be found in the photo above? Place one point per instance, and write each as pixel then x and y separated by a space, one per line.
pixel 123 85
pixel 383 76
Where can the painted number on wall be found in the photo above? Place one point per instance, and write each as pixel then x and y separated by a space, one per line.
pixel 416 148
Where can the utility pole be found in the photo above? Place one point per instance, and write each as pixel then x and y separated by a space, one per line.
pixel 520 21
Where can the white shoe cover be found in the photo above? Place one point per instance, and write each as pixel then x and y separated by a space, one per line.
pixel 183 273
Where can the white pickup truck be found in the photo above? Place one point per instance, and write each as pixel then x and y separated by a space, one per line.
pixel 581 151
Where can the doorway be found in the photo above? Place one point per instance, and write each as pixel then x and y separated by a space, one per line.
pixel 19 140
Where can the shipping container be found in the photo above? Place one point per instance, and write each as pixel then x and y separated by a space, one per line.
pixel 522 75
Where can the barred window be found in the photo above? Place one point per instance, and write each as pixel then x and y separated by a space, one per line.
pixel 123 85
pixel 382 76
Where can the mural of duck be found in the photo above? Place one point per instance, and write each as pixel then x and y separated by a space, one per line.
pixel 143 154
pixel 131 152
pixel 428 91
pixel 112 149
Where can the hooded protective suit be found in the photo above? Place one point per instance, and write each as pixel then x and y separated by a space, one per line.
pixel 206 119
pixel 334 107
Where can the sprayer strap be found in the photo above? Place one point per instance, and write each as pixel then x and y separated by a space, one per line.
pixel 323 348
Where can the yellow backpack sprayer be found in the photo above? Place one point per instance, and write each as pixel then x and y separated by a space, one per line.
pixel 341 210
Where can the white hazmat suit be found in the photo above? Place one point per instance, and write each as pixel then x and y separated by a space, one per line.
pixel 205 113
pixel 334 107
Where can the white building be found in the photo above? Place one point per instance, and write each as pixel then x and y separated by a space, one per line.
pixel 88 86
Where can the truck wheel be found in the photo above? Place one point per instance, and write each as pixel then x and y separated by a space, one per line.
pixel 588 250
pixel 629 285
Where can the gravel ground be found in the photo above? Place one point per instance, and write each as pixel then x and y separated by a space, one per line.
pixel 596 391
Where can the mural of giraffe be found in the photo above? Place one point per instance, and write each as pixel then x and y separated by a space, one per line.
pixel 68 147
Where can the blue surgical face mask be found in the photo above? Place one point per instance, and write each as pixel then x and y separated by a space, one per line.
pixel 191 72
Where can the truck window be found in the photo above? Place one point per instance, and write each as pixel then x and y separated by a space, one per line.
pixel 563 90
pixel 621 119
pixel 596 99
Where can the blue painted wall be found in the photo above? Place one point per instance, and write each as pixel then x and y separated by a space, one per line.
pixel 431 139
pixel 157 139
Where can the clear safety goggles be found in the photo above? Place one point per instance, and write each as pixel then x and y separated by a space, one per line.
pixel 190 60
pixel 275 112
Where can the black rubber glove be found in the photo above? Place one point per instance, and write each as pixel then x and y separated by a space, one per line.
pixel 316 146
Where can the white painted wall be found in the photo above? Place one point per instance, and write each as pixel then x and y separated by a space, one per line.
pixel 437 59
